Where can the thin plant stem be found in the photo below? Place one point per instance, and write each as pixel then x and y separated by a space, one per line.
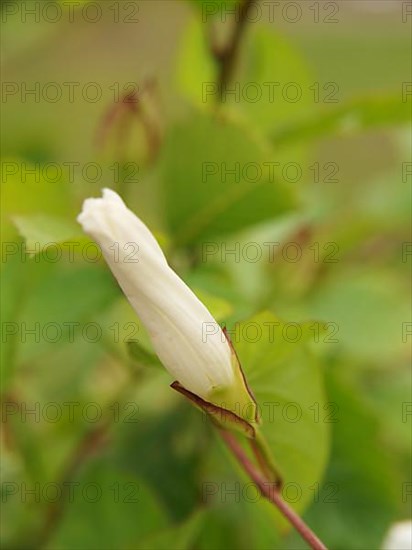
pixel 226 57
pixel 271 492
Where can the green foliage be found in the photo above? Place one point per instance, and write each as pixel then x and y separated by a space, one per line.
pixel 334 401
pixel 141 356
pixel 180 537
pixel 369 309
pixel 44 231
pixel 41 197
pixel 362 497
pixel 287 384
pixel 352 117
pixel 220 204
pixel 174 443
pixel 274 102
pixel 115 509
pixel 195 68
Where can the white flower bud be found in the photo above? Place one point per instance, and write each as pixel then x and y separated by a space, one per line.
pixel 179 324
pixel 399 537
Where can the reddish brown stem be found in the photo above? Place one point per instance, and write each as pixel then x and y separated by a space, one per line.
pixel 226 57
pixel 272 493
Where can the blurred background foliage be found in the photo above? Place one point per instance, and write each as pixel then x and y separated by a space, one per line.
pixel 150 453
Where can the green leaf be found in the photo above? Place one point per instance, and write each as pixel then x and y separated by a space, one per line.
pixel 274 86
pixel 361 493
pixel 215 5
pixel 354 116
pixel 166 451
pixel 13 283
pixel 26 190
pixel 237 515
pixel 388 392
pixel 237 522
pixel 141 356
pixel 270 73
pixel 59 305
pixel 195 66
pixel 201 199
pixel 179 537
pixel 44 231
pixel 218 307
pixel 287 383
pixel 368 310
pixel 109 508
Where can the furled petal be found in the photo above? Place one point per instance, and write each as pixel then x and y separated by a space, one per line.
pixel 184 334
pixel 399 536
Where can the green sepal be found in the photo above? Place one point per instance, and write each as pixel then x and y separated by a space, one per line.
pixel 235 409
pixel 223 418
pixel 238 398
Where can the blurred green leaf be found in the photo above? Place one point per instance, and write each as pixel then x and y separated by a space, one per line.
pixel 357 115
pixel 237 515
pixel 218 307
pixel 179 537
pixel 195 67
pixel 286 380
pixel 12 292
pixel 274 85
pixel 361 493
pixel 165 450
pixel 215 5
pixel 59 306
pixel 141 356
pixel 110 509
pixel 271 85
pixel 388 393
pixel 236 522
pixel 45 231
pixel 202 198
pixel 367 309
pixel 26 190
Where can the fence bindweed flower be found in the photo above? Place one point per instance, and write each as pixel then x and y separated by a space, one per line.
pixel 399 536
pixel 201 361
